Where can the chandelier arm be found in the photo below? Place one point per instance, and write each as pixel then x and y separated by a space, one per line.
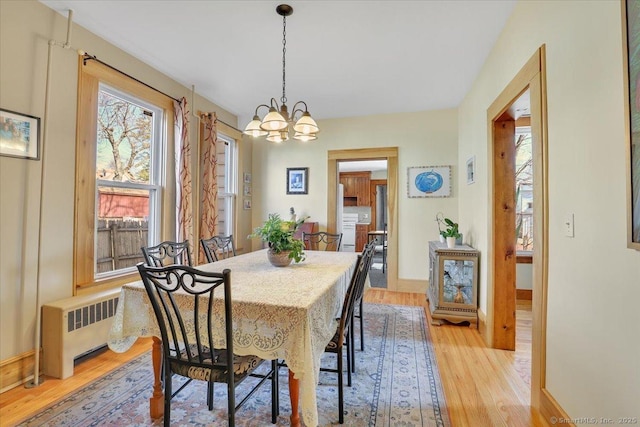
pixel 296 110
pixel 258 107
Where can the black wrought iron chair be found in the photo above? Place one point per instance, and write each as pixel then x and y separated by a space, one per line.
pixel 367 259
pixel 167 253
pixel 193 355
pixel 341 338
pixel 218 247
pixel 322 241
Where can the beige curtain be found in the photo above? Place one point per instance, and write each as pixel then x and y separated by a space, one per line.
pixel 184 213
pixel 209 198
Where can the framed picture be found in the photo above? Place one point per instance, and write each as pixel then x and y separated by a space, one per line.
pixel 297 181
pixel 429 181
pixel 19 135
pixel 247 178
pixel 247 190
pixel 471 170
pixel 631 40
pixel 246 204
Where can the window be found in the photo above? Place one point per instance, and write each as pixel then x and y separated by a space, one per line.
pixel 128 179
pixel 524 189
pixel 227 183
pixel 121 143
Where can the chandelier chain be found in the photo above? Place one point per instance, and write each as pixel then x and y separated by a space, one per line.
pixel 284 62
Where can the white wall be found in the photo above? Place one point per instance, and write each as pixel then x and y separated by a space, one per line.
pixel 593 350
pixel 423 139
pixel 25 29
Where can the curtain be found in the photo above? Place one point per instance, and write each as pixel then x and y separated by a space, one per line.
pixel 184 214
pixel 209 208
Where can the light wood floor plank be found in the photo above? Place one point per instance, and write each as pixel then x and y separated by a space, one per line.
pixel 483 387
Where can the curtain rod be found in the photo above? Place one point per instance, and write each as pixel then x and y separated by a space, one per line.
pixel 87 57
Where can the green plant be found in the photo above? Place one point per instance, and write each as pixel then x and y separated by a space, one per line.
pixel 279 236
pixel 451 230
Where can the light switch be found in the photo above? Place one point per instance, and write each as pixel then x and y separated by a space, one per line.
pixel 568 225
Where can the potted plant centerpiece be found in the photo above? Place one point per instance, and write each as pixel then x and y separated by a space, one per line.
pixel 278 233
pixel 451 233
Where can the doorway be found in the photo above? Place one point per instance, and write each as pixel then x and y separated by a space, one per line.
pixel 500 323
pixel 390 154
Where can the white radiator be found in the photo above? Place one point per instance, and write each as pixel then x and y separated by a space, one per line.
pixel 74 326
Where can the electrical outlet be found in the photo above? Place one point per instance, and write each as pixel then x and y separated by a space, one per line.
pixel 568 225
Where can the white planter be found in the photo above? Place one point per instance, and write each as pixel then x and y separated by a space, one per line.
pixel 451 242
pixel 441 238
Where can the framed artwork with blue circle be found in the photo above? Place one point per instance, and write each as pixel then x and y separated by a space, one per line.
pixel 429 181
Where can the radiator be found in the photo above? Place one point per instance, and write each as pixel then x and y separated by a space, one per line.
pixel 75 326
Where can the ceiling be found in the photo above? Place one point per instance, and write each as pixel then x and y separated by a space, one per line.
pixel 343 58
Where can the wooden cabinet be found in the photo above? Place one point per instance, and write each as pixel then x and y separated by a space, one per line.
pixel 453 283
pixel 356 188
pixel 362 231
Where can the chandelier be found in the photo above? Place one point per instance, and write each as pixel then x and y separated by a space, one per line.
pixel 277 124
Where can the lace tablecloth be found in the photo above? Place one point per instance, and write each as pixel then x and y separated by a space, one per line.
pixel 278 312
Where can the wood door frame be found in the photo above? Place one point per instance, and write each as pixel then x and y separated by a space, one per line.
pixel 500 319
pixel 390 154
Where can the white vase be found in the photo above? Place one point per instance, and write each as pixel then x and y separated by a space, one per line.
pixel 441 238
pixel 451 242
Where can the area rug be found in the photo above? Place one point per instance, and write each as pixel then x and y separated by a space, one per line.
pixel 396 383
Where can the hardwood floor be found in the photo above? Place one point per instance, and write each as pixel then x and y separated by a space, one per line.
pixel 483 387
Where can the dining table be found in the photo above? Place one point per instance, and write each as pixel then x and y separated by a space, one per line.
pixel 287 313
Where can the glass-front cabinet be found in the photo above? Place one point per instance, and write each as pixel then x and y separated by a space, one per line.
pixel 453 283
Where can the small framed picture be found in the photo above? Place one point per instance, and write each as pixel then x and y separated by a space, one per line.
pixel 247 190
pixel 429 181
pixel 297 181
pixel 19 135
pixel 246 204
pixel 247 178
pixel 471 170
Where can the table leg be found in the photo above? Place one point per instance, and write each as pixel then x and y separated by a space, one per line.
pixel 156 402
pixel 294 392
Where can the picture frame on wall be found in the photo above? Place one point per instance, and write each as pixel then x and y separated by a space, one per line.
pixel 631 41
pixel 247 178
pixel 246 204
pixel 247 190
pixel 297 181
pixel 429 181
pixel 19 135
pixel 471 170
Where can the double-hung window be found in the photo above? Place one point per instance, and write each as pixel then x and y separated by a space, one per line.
pixel 129 159
pixel 121 178
pixel 227 183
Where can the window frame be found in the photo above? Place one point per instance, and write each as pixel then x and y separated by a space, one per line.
pixel 90 75
pixel 231 183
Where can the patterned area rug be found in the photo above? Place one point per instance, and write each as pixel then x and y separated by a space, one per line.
pixel 396 384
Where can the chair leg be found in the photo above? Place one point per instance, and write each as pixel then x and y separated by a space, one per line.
pixel 361 325
pixel 210 395
pixel 352 346
pixel 349 359
pixel 231 403
pixel 167 398
pixel 340 388
pixel 275 391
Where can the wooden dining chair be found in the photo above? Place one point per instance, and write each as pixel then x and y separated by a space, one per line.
pixel 193 355
pixel 167 253
pixel 322 241
pixel 341 338
pixel 218 247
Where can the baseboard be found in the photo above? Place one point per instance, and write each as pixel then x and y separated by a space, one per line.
pixel 412 286
pixel 551 412
pixel 16 370
pixel 482 324
pixel 524 294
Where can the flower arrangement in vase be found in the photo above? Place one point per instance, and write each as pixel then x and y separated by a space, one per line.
pixel 278 234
